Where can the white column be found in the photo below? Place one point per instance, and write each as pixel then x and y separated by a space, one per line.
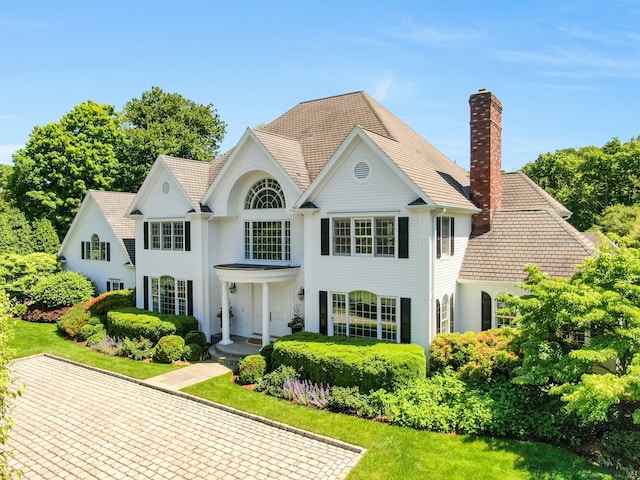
pixel 226 336
pixel 266 314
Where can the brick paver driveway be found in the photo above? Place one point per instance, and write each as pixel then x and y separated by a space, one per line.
pixel 74 422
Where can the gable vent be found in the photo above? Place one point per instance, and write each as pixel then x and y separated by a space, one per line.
pixel 362 171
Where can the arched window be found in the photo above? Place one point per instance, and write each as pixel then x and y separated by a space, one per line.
pixel 94 249
pixel 444 315
pixel 265 193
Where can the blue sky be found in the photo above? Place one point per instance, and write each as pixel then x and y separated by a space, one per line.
pixel 567 71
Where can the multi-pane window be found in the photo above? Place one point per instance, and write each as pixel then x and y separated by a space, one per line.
pixel 265 193
pixel 342 236
pixel 95 249
pixel 167 235
pixel 504 317
pixel 267 240
pixel 364 236
pixel 444 315
pixel 444 236
pixel 364 314
pixel 169 295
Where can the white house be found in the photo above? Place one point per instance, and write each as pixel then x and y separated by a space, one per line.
pixel 101 241
pixel 341 211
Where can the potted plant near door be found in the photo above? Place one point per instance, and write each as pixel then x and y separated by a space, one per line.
pixel 297 322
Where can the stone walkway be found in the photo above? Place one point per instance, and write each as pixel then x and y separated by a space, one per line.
pixel 187 376
pixel 75 422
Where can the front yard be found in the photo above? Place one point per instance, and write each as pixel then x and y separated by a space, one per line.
pixel 393 452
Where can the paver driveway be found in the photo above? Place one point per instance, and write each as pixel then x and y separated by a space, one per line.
pixel 73 422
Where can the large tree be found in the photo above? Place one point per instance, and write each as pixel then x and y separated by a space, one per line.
pixel 169 124
pixel 581 337
pixel 590 179
pixel 62 160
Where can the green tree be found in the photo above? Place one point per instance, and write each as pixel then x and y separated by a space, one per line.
pixel 590 179
pixel 44 238
pixel 7 394
pixel 621 220
pixel 19 273
pixel 62 160
pixel 599 378
pixel 166 123
pixel 16 235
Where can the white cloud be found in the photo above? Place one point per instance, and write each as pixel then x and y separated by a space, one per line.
pixel 7 150
pixel 426 35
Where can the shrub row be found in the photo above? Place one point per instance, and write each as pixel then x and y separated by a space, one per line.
pixel 346 362
pixel 136 323
pixel 108 301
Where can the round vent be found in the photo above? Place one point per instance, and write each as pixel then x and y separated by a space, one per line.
pixel 361 171
pixel 166 187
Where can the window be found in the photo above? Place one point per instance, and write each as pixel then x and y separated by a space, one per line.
pixel 266 193
pixel 170 235
pixel 363 314
pixel 96 250
pixel 170 295
pixel 444 236
pixel 364 236
pixel 267 240
pixel 504 317
pixel 114 284
pixel 444 315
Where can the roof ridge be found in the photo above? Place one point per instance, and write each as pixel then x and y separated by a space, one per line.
pixel 193 160
pixel 573 232
pixel 369 100
pixel 331 96
pixel 275 135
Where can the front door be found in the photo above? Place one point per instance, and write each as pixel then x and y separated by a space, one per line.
pixel 278 323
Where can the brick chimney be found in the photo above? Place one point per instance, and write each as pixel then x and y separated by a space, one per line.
pixel 486 158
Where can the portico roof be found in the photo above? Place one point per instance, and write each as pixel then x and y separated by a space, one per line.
pixel 256 273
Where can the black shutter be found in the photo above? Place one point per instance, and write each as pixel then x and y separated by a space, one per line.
pixel 108 286
pixel 451 302
pixel 405 320
pixel 82 254
pixel 324 325
pixel 324 236
pixel 145 286
pixel 121 285
pixel 403 237
pixel 108 251
pixel 486 311
pixel 437 317
pixel 187 237
pixel 438 237
pixel 146 235
pixel 453 235
pixel 189 297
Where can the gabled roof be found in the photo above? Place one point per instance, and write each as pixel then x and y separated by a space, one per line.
pixel 529 228
pixel 192 175
pixel 519 192
pixel 113 206
pixel 319 127
pixel 288 153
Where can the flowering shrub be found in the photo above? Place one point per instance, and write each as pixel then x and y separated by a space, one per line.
pixel 109 345
pixel 273 382
pixel 306 393
pixel 44 316
pixel 476 356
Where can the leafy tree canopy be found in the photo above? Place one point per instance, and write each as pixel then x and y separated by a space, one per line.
pixel 95 147
pixel 600 378
pixel 590 179
pixel 18 235
pixel 62 160
pixel 166 123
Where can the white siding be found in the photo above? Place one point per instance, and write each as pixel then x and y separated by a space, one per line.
pixel 91 221
pixel 469 315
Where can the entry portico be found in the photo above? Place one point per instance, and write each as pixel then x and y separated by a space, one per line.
pixel 252 274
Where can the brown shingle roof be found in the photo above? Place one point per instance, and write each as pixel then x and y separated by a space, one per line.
pixel 320 127
pixel 192 175
pixel 113 206
pixel 521 237
pixel 288 154
pixel 519 192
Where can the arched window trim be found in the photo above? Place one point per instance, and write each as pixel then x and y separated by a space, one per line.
pixel 265 193
pixel 444 315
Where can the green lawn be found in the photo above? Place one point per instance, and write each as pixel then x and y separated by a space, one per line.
pixel 392 452
pixel 403 453
pixel 33 338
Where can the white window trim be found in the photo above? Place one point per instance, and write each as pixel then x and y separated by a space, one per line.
pixel 373 238
pixel 161 236
pixel 345 297
pixel 285 237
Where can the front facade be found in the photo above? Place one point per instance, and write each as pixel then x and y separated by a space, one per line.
pixel 339 212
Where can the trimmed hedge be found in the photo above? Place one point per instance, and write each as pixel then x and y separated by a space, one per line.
pixel 251 369
pixel 197 337
pixel 72 322
pixel 347 362
pixel 137 323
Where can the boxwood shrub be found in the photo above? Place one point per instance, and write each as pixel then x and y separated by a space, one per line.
pixel 251 369
pixel 169 349
pixel 347 362
pixel 72 322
